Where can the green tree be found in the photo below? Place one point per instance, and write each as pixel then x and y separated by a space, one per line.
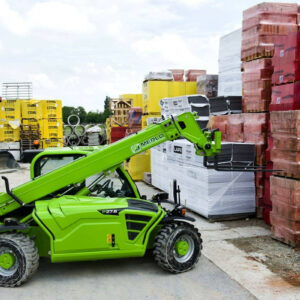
pixel 107 111
pixel 78 111
pixel 91 117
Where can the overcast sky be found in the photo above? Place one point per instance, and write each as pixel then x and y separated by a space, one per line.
pixel 82 50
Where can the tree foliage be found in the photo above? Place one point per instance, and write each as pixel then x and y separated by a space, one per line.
pixel 90 117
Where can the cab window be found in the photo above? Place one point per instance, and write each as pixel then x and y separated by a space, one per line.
pixel 49 163
pixel 112 185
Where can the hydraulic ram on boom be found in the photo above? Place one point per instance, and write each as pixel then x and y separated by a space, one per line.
pixel 206 143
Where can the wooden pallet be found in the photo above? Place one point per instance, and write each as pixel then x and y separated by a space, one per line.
pixel 259 55
pixel 230 217
pixel 285 241
pixel 279 84
pixel 255 111
pixel 286 175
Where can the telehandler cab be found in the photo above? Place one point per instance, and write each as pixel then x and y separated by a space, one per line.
pixel 80 204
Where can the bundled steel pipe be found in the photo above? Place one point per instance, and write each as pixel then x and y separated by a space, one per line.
pixel 76 134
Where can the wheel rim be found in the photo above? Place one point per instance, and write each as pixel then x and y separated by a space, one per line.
pixel 8 262
pixel 184 248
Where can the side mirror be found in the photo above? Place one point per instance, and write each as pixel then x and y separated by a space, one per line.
pixel 144 197
pixel 160 197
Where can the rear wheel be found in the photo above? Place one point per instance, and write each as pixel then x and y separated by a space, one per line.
pixel 177 247
pixel 19 259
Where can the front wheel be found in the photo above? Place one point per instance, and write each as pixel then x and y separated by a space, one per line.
pixel 177 247
pixel 19 259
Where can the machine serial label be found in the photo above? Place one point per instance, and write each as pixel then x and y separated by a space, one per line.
pixel 138 147
pixel 114 212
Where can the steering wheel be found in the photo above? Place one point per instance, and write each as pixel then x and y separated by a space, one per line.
pixel 107 188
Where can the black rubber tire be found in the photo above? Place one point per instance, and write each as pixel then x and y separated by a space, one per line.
pixel 27 257
pixel 165 242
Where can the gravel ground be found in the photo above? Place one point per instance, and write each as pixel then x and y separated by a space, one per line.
pixel 278 257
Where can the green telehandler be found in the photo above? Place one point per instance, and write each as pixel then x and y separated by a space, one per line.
pixel 81 204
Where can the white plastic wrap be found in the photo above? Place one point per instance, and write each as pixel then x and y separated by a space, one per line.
pixel 230 77
pixel 191 103
pixel 10 146
pixel 164 75
pixel 205 191
pixel 154 120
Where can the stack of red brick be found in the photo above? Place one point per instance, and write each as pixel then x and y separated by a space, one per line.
pixel 134 120
pixel 257 84
pixel 266 27
pixel 178 74
pixel 286 62
pixel 285 184
pixel 262 23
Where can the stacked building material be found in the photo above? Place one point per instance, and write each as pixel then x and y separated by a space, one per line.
pixel 193 103
pixel 10 119
pixel 263 26
pixel 134 120
pixel 163 75
pixel 286 62
pixel 223 105
pixel 262 23
pixel 117 133
pixel 140 163
pixel 75 133
pixel 257 84
pixel 285 96
pixel 178 74
pixel 35 123
pixel 120 108
pixel 285 154
pixel 135 100
pixel 207 85
pixel 285 215
pixel 95 135
pixel 285 130
pixel 223 194
pixel 247 128
pixel 43 117
pixel 154 91
pixel 191 75
pixel 230 76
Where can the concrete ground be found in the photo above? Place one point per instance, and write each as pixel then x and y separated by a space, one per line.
pixel 245 251
pixel 239 261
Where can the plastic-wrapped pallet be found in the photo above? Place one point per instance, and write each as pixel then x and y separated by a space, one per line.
pixel 164 75
pixel 230 76
pixel 191 103
pixel 211 193
pixel 225 105
pixel 154 120
pixel 159 167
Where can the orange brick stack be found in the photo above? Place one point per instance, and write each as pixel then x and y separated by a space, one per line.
pixel 263 25
pixel 285 214
pixel 285 184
